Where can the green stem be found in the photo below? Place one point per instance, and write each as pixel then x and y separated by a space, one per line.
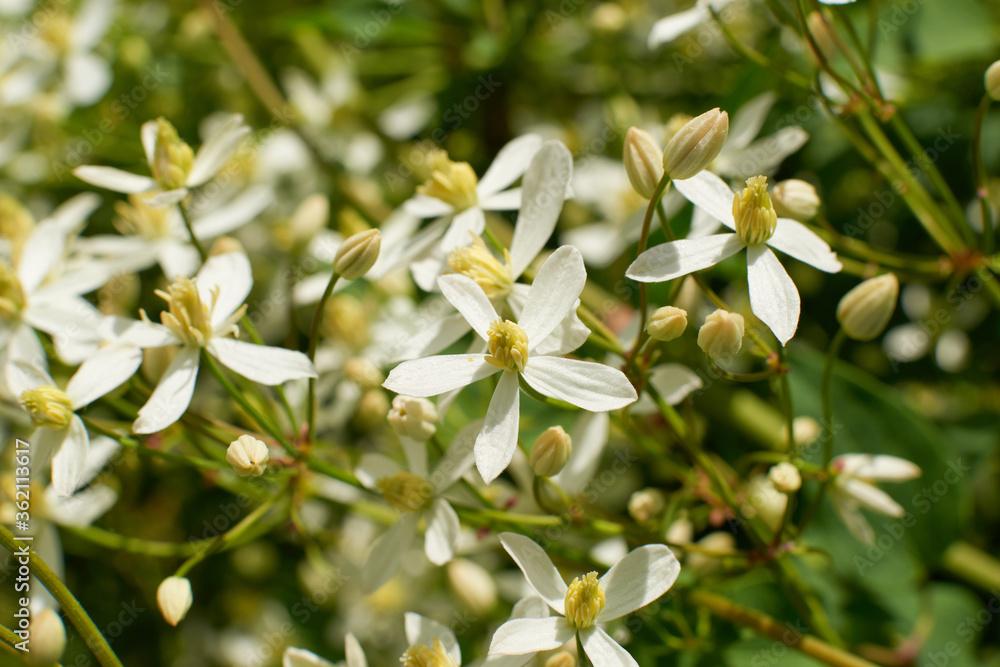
pixel 135 545
pixel 190 230
pixel 824 394
pixel 756 56
pixel 71 607
pixel 9 639
pixel 973 565
pixel 786 401
pixel 979 175
pixel 313 341
pixel 661 189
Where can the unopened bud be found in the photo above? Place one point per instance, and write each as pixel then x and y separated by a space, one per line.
pixel 561 659
pixel 681 531
pixel 992 80
pixel 48 638
pixel 550 452
pixel 805 431
pixel 363 373
pixel 248 456
pixel 174 598
pixel 785 477
pixel 371 409
pixel 473 584
pixel 696 145
pixel 413 417
pixel 358 254
pixel 764 499
pixel 865 310
pixel 224 245
pixel 646 504
pixel 643 162
pixel 721 336
pixel 795 199
pixel 667 323
pixel 822 34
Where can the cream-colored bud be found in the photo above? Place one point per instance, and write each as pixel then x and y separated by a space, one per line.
pixel 371 409
pixel 363 373
pixel 550 452
pixel 865 310
pixel 696 145
pixel 174 598
pixel 992 80
pixel 822 34
pixel 561 659
pixel 643 162
pixel 795 199
pixel 473 584
pixel 413 417
pixel 48 638
pixel 681 531
pixel 248 456
pixel 785 477
pixel 721 336
pixel 805 431
pixel 764 499
pixel 358 254
pixel 646 504
pixel 709 560
pixel 224 245
pixel 667 323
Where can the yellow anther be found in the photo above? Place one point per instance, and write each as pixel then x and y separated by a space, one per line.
pixel 172 159
pixel 405 491
pixel 452 182
pixel 188 316
pixel 48 406
pixel 139 219
pixel 584 601
pixel 422 655
pixel 508 346
pixel 482 266
pixel 752 210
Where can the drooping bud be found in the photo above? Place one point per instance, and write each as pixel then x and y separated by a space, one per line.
pixel 508 345
pixel 753 212
pixel 721 336
pixel 248 456
pixel 172 158
pixel 421 655
pixel 413 417
pixel 48 638
pixel 992 80
pixel 550 452
pixel 358 254
pixel 865 310
pixel 453 183
pixel 646 504
pixel 696 145
pixel 667 323
pixel 174 598
pixel 795 199
pixel 478 263
pixel 643 162
pixel 405 491
pixel 48 406
pixel 785 477
pixel 584 601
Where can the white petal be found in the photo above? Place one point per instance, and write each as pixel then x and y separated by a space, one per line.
pixel 498 439
pixel 854 520
pixel 872 498
pixel 233 215
pixel 215 152
pixel 423 206
pixel 91 22
pixel 22 376
pixel 671 27
pixel 605 651
pixel 553 294
pixel 442 532
pixel 99 456
pixel 165 199
pixel 430 339
pixel 702 224
pixel 544 191
pixel 885 468
pixel 538 569
pixel 464 226
pixel 415 452
pixel 521 636
pixel 764 155
pixel 69 216
pixel 470 300
pixel 147 134
pixel 23 345
pixel 354 653
pixel 773 296
pixel 708 191
pixel 435 375
pixel 299 657
pixel 41 252
pixel 508 200
pixel 458 459
pixel 510 163
pixel 585 384
pixel 675 382
pixel 372 467
pixel 230 273
pixel 178 259
pixel 423 630
pixel 679 258
pixel 82 508
pixel 114 179
pixel 600 243
pixel 795 239
pixel 69 461
pixel 746 123
pixel 103 373
pixel 141 334
pixel 172 396
pixel 589 436
pixel 642 576
pixel 388 551
pixel 530 606
pixel 87 78
pixel 262 363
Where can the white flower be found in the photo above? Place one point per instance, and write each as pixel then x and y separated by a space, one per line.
pixel 202 314
pixel 854 488
pixel 417 494
pixel 175 170
pixel 773 296
pixel 297 657
pixel 639 578
pixel 514 352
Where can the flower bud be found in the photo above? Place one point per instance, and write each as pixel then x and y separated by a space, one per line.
pixel 721 336
pixel 413 417
pixel 681 531
pixel 805 431
pixel 561 659
pixel 363 373
pixel 174 598
pixel 248 456
pixel 822 35
pixel 48 638
pixel 992 80
pixel 865 310
pixel 473 584
pixel 371 409
pixel 785 477
pixel 795 199
pixel 643 162
pixel 667 323
pixel 696 145
pixel 550 452
pixel 646 504
pixel 712 559
pixel 358 254
pixel 764 499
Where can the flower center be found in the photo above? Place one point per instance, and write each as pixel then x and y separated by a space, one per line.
pixel 584 601
pixel 752 210
pixel 172 158
pixel 406 492
pixel 135 218
pixel 11 292
pixel 482 266
pixel 452 182
pixel 16 225
pixel 508 346
pixel 422 655
pixel 188 316
pixel 48 406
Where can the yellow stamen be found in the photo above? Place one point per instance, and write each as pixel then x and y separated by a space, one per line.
pixel 188 317
pixel 584 601
pixel 753 213
pixel 421 655
pixel 172 158
pixel 479 264
pixel 139 219
pixel 405 491
pixel 48 406
pixel 508 346
pixel 452 182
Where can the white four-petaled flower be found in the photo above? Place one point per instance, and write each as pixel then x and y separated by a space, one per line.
pixel 854 488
